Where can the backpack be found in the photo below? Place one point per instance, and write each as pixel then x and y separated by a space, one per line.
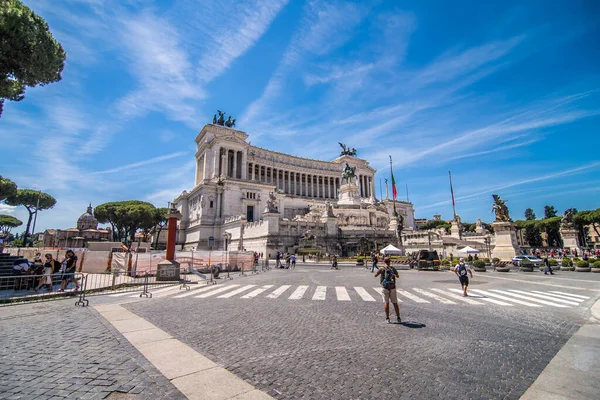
pixel 462 270
pixel 389 279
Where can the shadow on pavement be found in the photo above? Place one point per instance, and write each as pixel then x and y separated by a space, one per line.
pixel 414 325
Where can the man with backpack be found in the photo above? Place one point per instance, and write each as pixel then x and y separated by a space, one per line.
pixel 462 270
pixel 387 277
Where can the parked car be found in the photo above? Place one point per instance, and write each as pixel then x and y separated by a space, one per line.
pixel 528 259
pixel 427 259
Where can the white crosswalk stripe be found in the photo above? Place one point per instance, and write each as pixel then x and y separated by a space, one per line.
pixel 531 299
pixel 411 296
pixel 298 293
pixel 160 292
pixel 320 293
pixel 342 293
pixel 277 292
pixel 442 300
pixel 448 296
pixel 500 303
pixel 216 291
pixel 362 292
pixel 193 291
pixel 457 297
pixel 236 291
pixel 256 292
pixel 545 297
pixel 559 296
pixel 572 295
pixel 501 297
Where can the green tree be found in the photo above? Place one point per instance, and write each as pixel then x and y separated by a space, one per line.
pixel 29 55
pixel 529 214
pixel 552 228
pixel 435 224
pixel 549 212
pixel 7 187
pixel 588 217
pixel 33 201
pixel 126 217
pixel 7 222
pixel 160 222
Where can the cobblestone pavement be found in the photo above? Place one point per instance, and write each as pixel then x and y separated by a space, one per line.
pixel 56 350
pixel 331 349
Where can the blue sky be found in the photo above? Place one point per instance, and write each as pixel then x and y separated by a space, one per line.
pixel 506 95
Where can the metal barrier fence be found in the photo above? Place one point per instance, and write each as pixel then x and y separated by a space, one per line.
pixel 28 288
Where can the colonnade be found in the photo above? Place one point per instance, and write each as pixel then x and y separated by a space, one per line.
pixel 232 163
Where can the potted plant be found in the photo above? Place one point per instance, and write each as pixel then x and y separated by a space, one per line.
pixel 360 261
pixel 525 265
pixel 583 266
pixel 479 266
pixel 487 262
pixel 596 266
pixel 566 264
pixel 500 267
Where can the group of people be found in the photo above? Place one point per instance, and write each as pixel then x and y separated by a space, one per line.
pixel 387 275
pixel 290 260
pixel 560 253
pixel 43 273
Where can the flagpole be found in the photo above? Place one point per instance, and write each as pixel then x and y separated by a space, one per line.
pixel 452 193
pixel 393 194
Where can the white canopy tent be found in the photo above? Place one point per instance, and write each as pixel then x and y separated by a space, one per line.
pixel 468 250
pixel 391 250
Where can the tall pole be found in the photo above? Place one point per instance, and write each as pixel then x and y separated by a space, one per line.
pixel 34 219
pixel 452 192
pixel 394 197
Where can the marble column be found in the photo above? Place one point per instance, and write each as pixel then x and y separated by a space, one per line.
pixel 234 172
pixel 216 159
pixel 223 169
pixel 244 166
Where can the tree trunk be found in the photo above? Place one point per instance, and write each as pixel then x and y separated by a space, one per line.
pixel 28 225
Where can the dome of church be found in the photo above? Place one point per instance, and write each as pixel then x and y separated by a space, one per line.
pixel 87 220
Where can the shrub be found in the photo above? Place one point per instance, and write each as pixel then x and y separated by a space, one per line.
pixel 525 263
pixel 360 259
pixel 566 262
pixel 486 260
pixel 596 264
pixel 479 264
pixel 552 262
pixel 583 264
pixel 495 260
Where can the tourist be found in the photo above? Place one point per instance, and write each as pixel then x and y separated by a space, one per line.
pixel 293 257
pixel 69 265
pixel 470 258
pixel 334 263
pixel 547 268
pixel 49 267
pixel 278 260
pixel 461 269
pixel 387 278
pixel 374 261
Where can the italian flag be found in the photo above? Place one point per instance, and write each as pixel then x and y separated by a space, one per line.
pixel 394 191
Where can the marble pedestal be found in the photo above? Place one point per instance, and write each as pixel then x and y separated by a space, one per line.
pixel 570 240
pixel 349 194
pixel 506 241
pixel 168 271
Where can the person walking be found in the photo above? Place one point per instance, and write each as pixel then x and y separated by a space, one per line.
pixel 547 268
pixel 49 266
pixel 462 270
pixel 69 265
pixel 387 278
pixel 374 261
pixel 293 257
pixel 334 262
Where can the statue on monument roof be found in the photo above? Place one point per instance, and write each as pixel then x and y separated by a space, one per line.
pixel 499 207
pixel 347 151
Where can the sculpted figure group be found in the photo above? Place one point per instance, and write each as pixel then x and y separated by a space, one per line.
pixel 230 123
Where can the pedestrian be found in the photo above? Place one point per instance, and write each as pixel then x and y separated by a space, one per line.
pixel 387 278
pixel 69 266
pixel 278 260
pixel 548 268
pixel 334 264
pixel 374 261
pixel 461 269
pixel 470 258
pixel 49 266
pixel 293 257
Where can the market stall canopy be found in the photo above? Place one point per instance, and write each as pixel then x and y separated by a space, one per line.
pixel 468 250
pixel 390 249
